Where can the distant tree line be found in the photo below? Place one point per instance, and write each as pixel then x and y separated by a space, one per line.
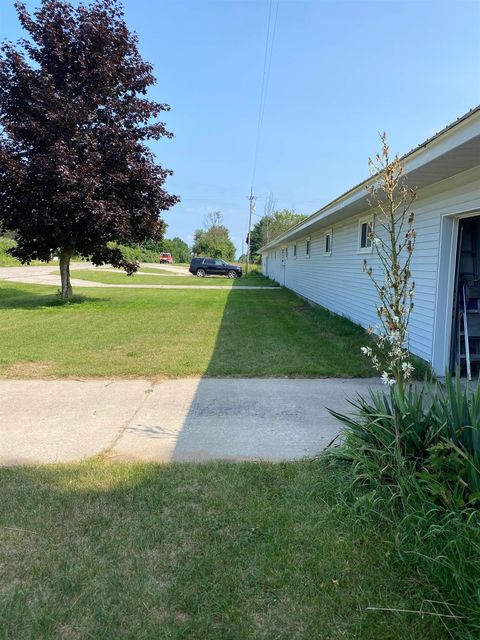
pixel 179 249
pixel 270 226
pixel 214 239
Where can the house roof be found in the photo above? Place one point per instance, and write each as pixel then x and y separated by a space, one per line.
pixel 454 149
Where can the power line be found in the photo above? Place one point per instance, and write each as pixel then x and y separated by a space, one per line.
pixel 267 63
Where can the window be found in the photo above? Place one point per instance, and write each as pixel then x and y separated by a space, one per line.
pixel 327 243
pixel 307 248
pixel 209 261
pixel 294 250
pixel 365 228
pixel 286 252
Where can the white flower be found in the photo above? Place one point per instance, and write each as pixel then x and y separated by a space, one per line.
pixel 407 369
pixel 395 319
pixel 386 379
pixel 367 351
pixel 394 336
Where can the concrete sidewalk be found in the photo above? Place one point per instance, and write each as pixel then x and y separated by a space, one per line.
pixel 194 419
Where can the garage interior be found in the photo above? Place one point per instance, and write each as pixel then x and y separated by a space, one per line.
pixel 466 308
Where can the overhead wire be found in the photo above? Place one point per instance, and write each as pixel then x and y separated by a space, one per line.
pixel 267 63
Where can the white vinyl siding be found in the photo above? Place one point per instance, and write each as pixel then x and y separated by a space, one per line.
pixel 339 284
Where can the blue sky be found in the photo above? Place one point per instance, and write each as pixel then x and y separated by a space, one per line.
pixel 341 71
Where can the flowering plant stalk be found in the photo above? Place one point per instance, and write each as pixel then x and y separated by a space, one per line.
pixel 393 239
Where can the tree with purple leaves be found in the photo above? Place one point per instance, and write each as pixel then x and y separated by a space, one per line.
pixel 76 174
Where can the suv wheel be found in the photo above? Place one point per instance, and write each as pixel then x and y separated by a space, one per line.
pixel 232 274
pixel 201 273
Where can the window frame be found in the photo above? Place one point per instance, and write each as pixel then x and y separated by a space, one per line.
pixel 327 234
pixel 308 246
pixel 365 220
pixel 295 250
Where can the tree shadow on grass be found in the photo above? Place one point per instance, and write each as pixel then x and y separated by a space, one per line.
pixel 209 551
pixel 21 299
pixel 263 338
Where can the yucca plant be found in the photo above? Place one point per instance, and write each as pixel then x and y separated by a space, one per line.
pixel 452 469
pixel 430 431
pixel 373 436
pixel 437 436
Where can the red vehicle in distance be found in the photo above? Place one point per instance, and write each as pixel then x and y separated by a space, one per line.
pixel 166 258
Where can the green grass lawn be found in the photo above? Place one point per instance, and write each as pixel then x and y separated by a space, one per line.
pixel 215 551
pixel 173 333
pixel 122 278
pixel 155 270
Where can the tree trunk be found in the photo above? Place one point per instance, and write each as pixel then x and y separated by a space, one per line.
pixel 65 256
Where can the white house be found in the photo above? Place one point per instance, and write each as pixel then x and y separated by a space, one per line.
pixel 321 258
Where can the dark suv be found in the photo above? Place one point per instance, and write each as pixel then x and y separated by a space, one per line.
pixel 202 267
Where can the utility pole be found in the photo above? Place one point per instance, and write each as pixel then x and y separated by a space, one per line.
pixel 252 199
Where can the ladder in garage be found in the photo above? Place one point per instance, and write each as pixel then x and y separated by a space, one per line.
pixel 469 325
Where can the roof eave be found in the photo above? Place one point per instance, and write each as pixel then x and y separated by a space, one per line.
pixel 410 158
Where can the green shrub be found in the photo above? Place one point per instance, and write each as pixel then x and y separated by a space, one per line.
pixel 433 492
pixel 452 470
pixel 136 253
pixel 7 260
pixel 369 436
pixel 439 437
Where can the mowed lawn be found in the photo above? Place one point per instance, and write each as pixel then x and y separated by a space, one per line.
pixel 211 551
pixel 173 333
pixel 121 277
pixel 156 270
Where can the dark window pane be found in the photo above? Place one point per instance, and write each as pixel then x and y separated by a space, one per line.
pixel 363 239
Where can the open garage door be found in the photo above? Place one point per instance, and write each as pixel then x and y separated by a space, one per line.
pixel 466 321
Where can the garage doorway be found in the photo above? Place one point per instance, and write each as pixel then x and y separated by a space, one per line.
pixel 465 343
